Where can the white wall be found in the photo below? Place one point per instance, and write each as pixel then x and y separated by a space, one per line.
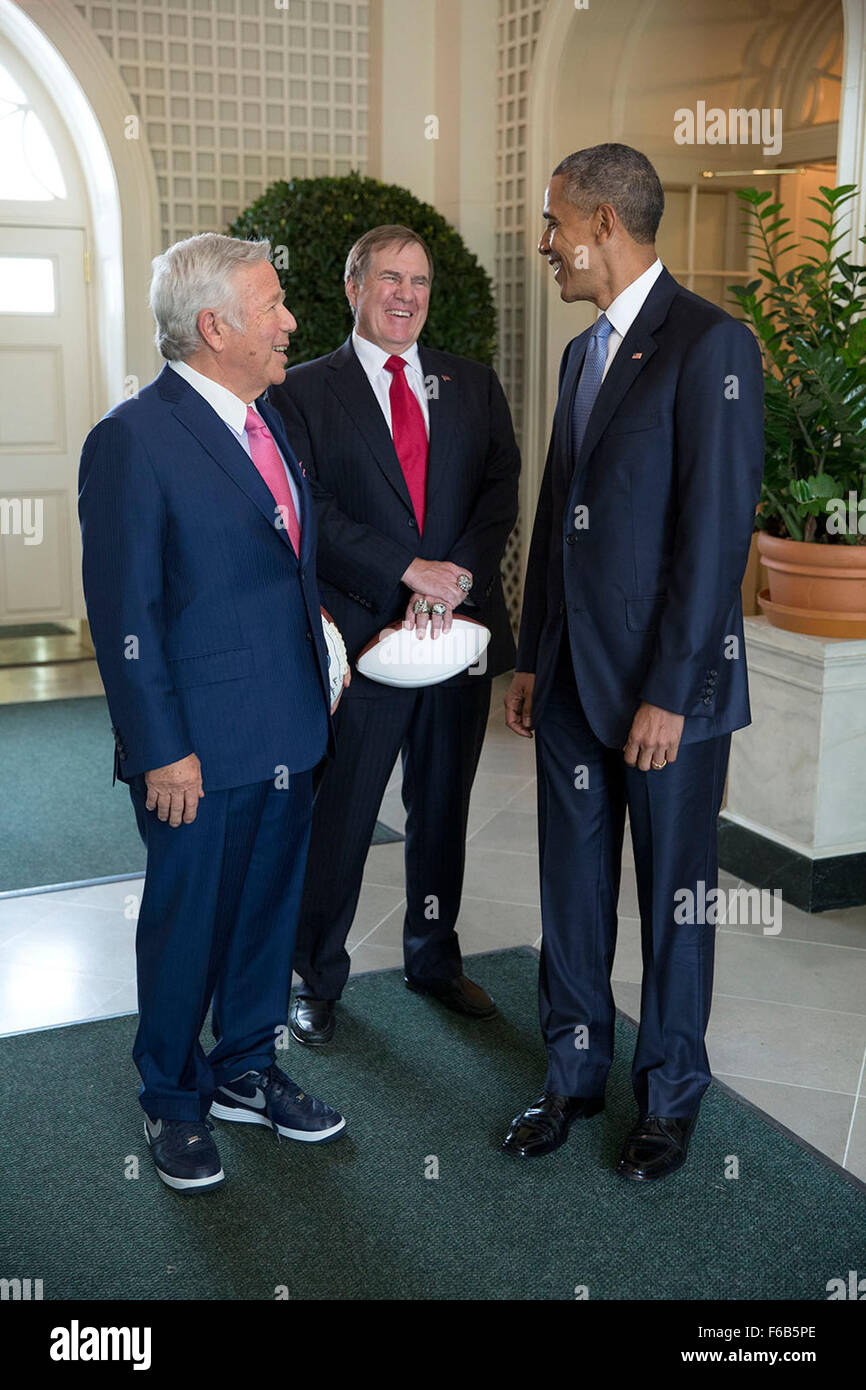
pixel 439 60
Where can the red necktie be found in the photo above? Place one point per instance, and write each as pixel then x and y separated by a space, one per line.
pixel 266 457
pixel 410 436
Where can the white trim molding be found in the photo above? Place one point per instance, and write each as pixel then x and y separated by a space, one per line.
pixel 119 175
pixel 851 155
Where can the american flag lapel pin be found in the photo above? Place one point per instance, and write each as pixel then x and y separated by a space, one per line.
pixel 445 378
pixel 636 356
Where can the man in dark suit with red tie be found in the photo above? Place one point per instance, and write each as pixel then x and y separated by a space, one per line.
pixel 413 465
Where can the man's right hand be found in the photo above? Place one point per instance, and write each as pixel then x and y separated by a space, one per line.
pixel 518 704
pixel 173 791
pixel 436 579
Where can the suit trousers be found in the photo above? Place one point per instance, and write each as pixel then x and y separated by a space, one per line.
pixel 216 925
pixel 439 730
pixel 584 789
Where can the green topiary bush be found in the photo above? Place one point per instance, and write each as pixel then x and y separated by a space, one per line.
pixel 319 219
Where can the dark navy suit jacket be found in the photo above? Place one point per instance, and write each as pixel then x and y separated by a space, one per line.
pixel 368 535
pixel 648 576
pixel 206 625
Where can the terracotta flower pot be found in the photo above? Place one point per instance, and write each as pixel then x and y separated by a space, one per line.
pixel 816 589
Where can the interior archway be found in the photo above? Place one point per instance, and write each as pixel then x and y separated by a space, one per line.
pixel 84 341
pixel 598 76
pixel 119 178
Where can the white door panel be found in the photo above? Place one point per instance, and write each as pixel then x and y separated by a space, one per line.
pixel 44 416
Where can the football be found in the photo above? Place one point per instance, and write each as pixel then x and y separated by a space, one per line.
pixel 398 657
pixel 338 661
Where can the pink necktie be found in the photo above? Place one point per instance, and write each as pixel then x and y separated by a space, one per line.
pixel 266 457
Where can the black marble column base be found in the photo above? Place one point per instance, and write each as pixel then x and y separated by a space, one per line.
pixel 813 885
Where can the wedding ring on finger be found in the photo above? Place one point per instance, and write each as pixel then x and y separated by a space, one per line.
pixel 440 609
pixel 464 582
pixel 658 766
pixel 420 606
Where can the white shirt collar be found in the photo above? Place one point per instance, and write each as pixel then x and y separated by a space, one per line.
pixel 229 407
pixel 373 358
pixel 623 310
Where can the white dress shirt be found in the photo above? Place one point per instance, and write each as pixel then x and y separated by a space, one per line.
pixel 623 311
pixel 373 359
pixel 232 411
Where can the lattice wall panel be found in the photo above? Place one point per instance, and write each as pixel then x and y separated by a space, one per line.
pixel 234 94
pixel 519 22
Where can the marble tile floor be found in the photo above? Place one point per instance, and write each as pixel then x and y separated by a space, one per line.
pixel 788 1027
pixel 51 649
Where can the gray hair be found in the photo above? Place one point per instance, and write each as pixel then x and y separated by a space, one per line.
pixel 197 274
pixel 621 176
pixel 391 234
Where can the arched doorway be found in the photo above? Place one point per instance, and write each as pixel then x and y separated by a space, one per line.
pixel 619 73
pixel 46 385
pixel 86 342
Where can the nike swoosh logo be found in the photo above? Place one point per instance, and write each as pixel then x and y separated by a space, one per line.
pixel 155 1130
pixel 256 1102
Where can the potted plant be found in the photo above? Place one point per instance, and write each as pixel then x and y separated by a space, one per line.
pixel 809 320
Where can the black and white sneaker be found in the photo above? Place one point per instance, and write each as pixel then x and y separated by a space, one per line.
pixel 270 1098
pixel 185 1155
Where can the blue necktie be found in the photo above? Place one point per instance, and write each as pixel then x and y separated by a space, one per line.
pixel 590 381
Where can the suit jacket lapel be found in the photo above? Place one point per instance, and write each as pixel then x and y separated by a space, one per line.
pixel 622 372
pixel 632 355
pixel 217 439
pixel 441 408
pixel 562 417
pixel 351 386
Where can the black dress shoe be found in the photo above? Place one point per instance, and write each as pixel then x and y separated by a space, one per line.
pixel 544 1126
pixel 459 994
pixel 313 1021
pixel 657 1146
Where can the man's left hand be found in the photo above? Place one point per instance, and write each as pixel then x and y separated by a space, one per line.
pixel 439 622
pixel 654 737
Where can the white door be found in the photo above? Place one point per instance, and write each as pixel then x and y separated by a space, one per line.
pixel 44 416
